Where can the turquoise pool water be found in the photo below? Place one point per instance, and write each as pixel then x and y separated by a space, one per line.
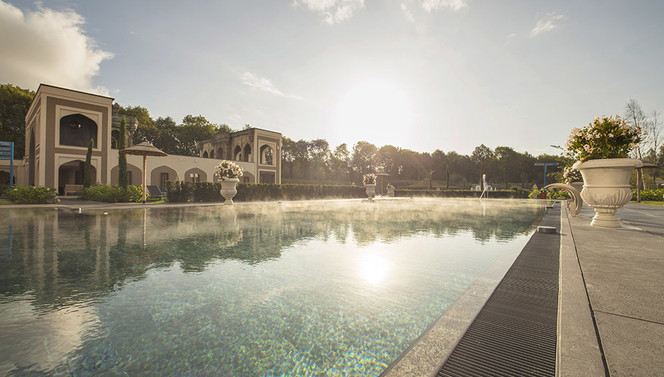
pixel 337 288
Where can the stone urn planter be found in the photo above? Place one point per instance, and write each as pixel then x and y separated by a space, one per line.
pixel 229 189
pixel 606 187
pixel 390 192
pixel 579 187
pixel 371 190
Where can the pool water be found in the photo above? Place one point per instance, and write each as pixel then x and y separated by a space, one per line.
pixel 336 288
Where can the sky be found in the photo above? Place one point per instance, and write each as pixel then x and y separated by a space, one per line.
pixel 417 74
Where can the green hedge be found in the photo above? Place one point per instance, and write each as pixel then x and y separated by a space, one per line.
pixel 112 194
pixel 32 195
pixel 210 192
pixel 503 194
pixel 649 194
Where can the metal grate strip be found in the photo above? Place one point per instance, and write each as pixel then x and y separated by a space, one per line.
pixel 515 332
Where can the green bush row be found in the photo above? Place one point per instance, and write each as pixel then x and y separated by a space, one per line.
pixel 515 192
pixel 112 194
pixel 210 192
pixel 32 195
pixel 649 194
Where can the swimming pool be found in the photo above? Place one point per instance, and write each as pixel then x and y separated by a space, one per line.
pixel 311 288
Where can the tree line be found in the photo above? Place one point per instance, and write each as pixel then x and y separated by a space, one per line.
pixel 315 161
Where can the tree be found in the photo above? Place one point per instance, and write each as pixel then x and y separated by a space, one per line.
pixel 87 168
pixel 193 129
pixel 14 105
pixel 340 164
pixel 362 160
pixel 146 129
pixel 481 155
pixel 636 117
pixel 122 158
pixel 653 128
pixel 167 138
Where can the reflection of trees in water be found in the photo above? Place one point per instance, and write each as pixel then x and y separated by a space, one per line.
pixel 62 256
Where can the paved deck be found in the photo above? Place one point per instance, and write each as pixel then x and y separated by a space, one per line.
pixel 611 320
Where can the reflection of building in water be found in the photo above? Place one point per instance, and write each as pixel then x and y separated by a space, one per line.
pixel 58 254
pixel 60 124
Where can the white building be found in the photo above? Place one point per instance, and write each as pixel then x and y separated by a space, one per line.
pixel 60 123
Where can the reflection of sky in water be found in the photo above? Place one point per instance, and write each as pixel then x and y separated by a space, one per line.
pixel 334 289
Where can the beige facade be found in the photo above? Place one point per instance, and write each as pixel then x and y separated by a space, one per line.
pixel 60 124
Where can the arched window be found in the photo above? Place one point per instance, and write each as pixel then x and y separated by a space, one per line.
pixel 266 155
pixel 115 139
pixel 212 153
pixel 247 153
pixel 205 155
pixel 77 130
pixel 220 153
pixel 237 153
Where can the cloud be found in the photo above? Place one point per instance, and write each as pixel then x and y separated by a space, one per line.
pixel 332 11
pixel 407 13
pixel 455 5
pixel 547 23
pixel 48 46
pixel 263 84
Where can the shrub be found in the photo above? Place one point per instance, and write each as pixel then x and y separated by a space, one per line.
pixel 179 191
pixel 33 195
pixel 206 192
pixel 210 192
pixel 112 194
pixel 649 194
pixel 503 194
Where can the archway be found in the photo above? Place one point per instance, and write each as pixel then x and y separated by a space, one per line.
pixel 115 139
pixel 205 154
pixel 162 174
pixel 134 175
pixel 31 159
pixel 220 153
pixel 237 153
pixel 212 153
pixel 71 173
pixel 77 130
pixel 266 155
pixel 247 153
pixel 4 178
pixel 195 175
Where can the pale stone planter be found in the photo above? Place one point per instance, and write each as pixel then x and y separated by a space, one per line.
pixel 606 187
pixel 228 189
pixel 371 190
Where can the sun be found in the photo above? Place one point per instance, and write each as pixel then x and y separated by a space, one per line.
pixel 374 105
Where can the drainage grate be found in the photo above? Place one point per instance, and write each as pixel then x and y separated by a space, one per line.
pixel 515 332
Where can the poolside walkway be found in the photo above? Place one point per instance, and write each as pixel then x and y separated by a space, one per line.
pixel 611 318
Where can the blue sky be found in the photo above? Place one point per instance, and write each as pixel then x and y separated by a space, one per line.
pixel 417 74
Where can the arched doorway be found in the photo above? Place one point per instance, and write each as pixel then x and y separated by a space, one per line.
pixel 71 173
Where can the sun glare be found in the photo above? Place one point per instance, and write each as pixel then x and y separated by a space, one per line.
pixel 373 269
pixel 375 105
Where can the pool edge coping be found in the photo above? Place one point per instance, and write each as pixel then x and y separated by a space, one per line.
pixel 425 355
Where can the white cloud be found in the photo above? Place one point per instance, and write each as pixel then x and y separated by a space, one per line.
pixel 332 11
pixel 48 46
pixel 263 84
pixel 455 5
pixel 407 13
pixel 548 23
